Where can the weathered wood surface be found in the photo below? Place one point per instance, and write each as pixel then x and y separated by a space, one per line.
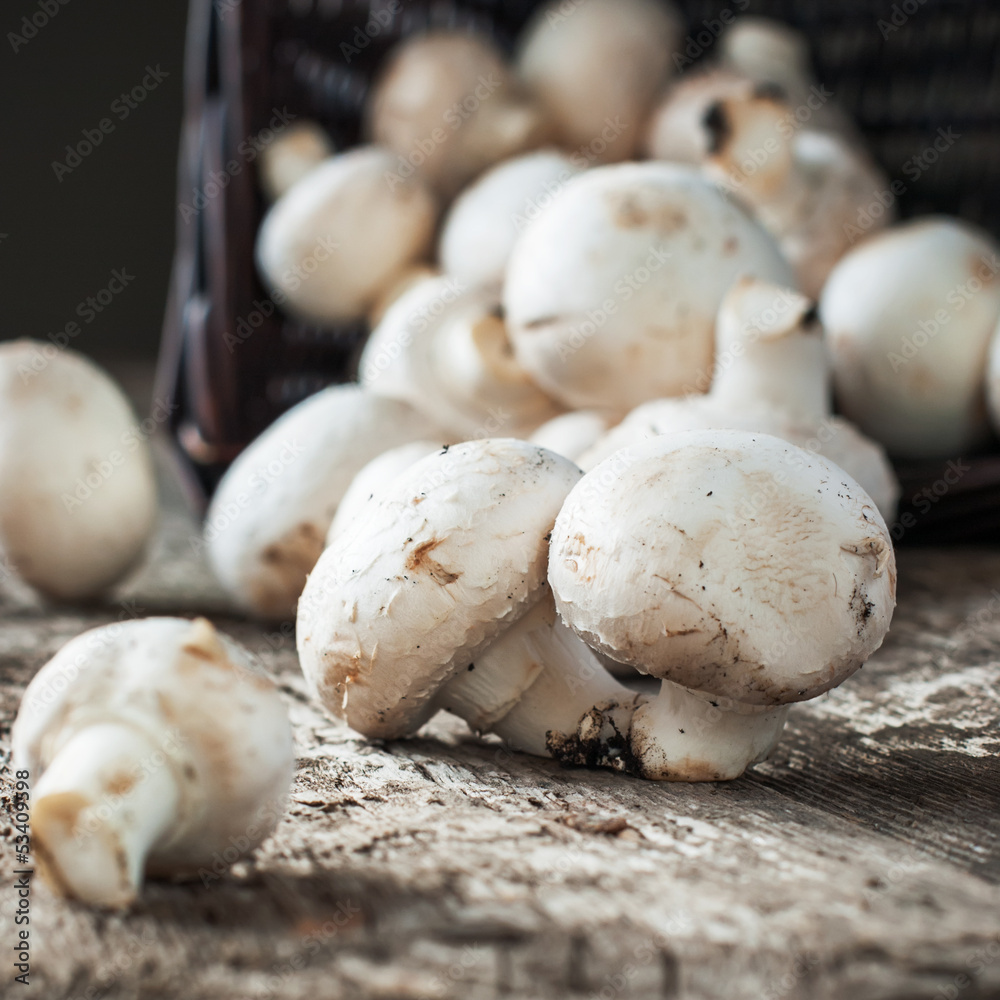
pixel 861 861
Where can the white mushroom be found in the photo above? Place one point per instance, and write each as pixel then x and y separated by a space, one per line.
pixel 743 572
pixel 294 152
pixel 444 349
pixel 154 748
pixel 373 478
pixel 807 188
pixel 487 217
pixel 597 68
pixel 446 107
pixel 909 314
pixel 436 599
pixel 269 517
pixel 572 434
pixel 343 235
pixel 611 294
pixel 993 381
pixel 772 376
pixel 77 488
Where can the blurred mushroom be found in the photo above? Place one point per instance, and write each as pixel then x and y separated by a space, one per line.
pixel 611 294
pixel 597 68
pixel 444 350
pixel 294 152
pixel 268 519
pixel 446 107
pixel 343 235
pixel 572 434
pixel 909 314
pixel 743 572
pixel 77 487
pixel 155 748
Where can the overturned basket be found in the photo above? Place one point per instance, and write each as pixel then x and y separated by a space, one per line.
pixel 232 363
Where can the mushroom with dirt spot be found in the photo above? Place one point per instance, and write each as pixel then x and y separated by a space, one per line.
pixel 153 747
pixel 77 486
pixel 436 599
pixel 742 571
pixel 267 523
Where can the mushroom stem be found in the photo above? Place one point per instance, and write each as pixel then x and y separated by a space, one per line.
pixel 542 690
pixel 98 808
pixel 770 352
pixel 686 736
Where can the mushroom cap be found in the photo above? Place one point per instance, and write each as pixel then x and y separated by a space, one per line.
pixel 993 381
pixel 200 699
pixel 375 477
pixel 444 104
pixel 443 348
pixel 486 219
pixel 342 235
pixel 572 434
pixel 294 152
pixel 612 293
pixel 732 563
pixel 268 519
pixel 678 130
pixel 77 487
pixel 451 554
pixel 909 314
pixel 598 68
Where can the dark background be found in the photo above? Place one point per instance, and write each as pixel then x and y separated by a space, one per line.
pixel 117 209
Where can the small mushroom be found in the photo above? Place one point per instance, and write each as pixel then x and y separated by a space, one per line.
pixel 487 217
pixel 77 487
pixel 909 314
pixel 807 188
pixel 596 70
pixel 294 152
pixel 155 748
pixel 443 349
pixel 343 235
pixel 268 519
pixel 436 599
pixel 743 572
pixel 611 294
pixel 373 478
pixel 572 434
pixel 993 381
pixel 446 107
pixel 772 375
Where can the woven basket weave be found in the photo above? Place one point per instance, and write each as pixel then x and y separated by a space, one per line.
pixel 232 363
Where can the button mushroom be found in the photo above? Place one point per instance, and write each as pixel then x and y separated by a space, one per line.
pixel 444 349
pixel 771 375
pixel 436 599
pixel 446 106
pixel 611 294
pixel 743 572
pixel 488 216
pixel 154 748
pixel 77 489
pixel 293 153
pixel 597 69
pixel 341 237
pixel 909 314
pixel 572 434
pixel 269 517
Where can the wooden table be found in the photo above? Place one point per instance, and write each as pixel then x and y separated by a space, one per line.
pixel 861 861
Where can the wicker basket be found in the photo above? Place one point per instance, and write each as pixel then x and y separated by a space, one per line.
pixel 232 363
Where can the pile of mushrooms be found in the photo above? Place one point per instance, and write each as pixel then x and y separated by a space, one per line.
pixel 593 427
